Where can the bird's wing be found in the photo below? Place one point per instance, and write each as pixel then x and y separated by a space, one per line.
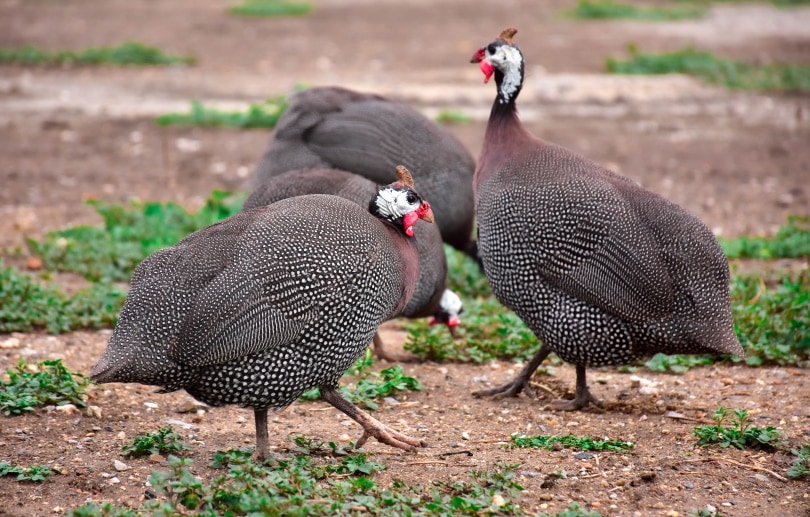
pixel 367 137
pixel 595 247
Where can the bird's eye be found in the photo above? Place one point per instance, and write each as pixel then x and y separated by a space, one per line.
pixel 411 198
pixel 491 48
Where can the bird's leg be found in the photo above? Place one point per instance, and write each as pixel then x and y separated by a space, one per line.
pixel 519 383
pixel 379 350
pixel 582 398
pixel 371 426
pixel 260 418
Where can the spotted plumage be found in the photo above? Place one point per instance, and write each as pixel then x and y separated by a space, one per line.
pixel 259 307
pixel 367 134
pixel 430 297
pixel 602 270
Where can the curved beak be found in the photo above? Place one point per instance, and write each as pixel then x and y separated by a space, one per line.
pixel 424 212
pixel 480 57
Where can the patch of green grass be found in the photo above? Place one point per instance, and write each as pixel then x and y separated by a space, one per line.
pixel 678 363
pixel 26 304
pixel 453 117
pixel 792 240
pixel 165 441
pixel 129 234
pixel 302 485
pixel 738 433
pixel 258 115
pixel 727 72
pixel 800 466
pixel 264 8
pixel 607 9
pixel 372 386
pixel 582 443
pixel 37 473
pixel 130 53
pixel 50 382
pixel 773 324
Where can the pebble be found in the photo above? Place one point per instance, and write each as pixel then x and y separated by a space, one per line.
pixel 11 342
pixel 465 435
pixel 121 435
pixel 189 405
pixel 150 405
pixel 120 466
pixel 68 409
pixel 391 401
pixel 114 480
pixel 498 500
pixel 688 485
pixel 93 411
pixel 583 455
pixel 174 421
pixel 480 380
pixel 345 438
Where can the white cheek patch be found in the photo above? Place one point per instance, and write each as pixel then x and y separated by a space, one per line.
pixel 451 303
pixel 508 60
pixel 393 204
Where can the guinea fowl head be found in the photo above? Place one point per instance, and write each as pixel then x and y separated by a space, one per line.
pixel 450 308
pixel 399 204
pixel 504 59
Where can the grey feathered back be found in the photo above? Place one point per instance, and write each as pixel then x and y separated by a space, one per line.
pixel 369 135
pixel 432 261
pixel 259 307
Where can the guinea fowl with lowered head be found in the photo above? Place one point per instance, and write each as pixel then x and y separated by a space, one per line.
pixel 430 298
pixel 261 306
pixel 367 134
pixel 602 270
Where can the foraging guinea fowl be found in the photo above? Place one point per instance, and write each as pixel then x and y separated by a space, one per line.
pixel 430 297
pixel 261 306
pixel 367 134
pixel 602 270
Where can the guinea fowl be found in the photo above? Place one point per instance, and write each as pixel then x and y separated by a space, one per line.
pixel 602 270
pixel 261 306
pixel 367 134
pixel 430 297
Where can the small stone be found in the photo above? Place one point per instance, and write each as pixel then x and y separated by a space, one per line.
pixel 114 480
pixel 498 500
pixel 583 455
pixel 345 438
pixel 585 465
pixel 156 458
pixel 760 477
pixel 67 409
pixel 189 405
pixel 33 264
pixel 465 435
pixel 688 485
pixel 150 405
pixel 545 497
pixel 241 419
pixel 659 505
pixel 174 421
pixel 480 380
pixel 58 509
pixel 727 381
pixel 120 466
pixel 93 411
pixel 121 435
pixel 11 342
pixel 391 401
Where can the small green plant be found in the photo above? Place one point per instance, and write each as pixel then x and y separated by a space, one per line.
pixel 258 115
pixel 270 8
pixel 453 117
pixel 574 510
pixel 792 240
pixel 800 467
pixel 37 473
pixel 739 433
pixel 50 382
pixel 26 304
pixel 373 386
pixel 302 485
pixel 164 441
pixel 583 443
pixel 130 234
pixel 130 53
pixel 678 363
pixel 608 9
pixel 727 72
pixel 773 324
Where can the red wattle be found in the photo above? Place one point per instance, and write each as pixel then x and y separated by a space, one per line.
pixel 407 222
pixel 487 69
pixel 455 321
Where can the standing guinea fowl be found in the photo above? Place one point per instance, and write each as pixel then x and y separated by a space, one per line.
pixel 257 308
pixel 602 270
pixel 367 134
pixel 430 296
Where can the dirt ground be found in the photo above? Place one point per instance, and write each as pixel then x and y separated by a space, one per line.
pixel 741 161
